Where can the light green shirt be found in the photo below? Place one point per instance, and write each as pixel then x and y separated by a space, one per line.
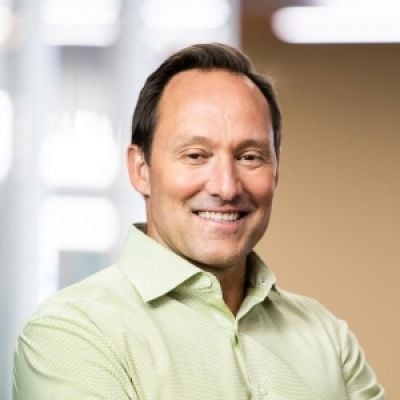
pixel 155 327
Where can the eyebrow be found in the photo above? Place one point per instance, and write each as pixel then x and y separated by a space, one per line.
pixel 255 143
pixel 198 139
pixel 192 139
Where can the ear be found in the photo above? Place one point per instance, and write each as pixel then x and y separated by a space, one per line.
pixel 138 170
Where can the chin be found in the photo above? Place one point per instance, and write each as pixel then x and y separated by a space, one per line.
pixel 221 261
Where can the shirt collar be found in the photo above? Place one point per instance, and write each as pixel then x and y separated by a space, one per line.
pixel 156 270
pixel 152 268
pixel 259 275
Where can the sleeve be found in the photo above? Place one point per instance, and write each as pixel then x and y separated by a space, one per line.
pixel 68 357
pixel 359 378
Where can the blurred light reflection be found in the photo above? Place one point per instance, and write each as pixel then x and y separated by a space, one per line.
pixel 80 22
pixel 5 22
pixel 350 22
pixel 83 153
pixel 185 14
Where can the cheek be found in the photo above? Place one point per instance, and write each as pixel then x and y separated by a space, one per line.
pixel 261 189
pixel 177 183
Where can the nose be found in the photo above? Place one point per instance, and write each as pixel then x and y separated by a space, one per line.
pixel 224 180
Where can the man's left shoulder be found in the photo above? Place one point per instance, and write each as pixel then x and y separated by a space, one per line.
pixel 308 310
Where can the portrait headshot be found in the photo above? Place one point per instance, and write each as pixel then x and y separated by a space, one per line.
pixel 199 200
pixel 190 311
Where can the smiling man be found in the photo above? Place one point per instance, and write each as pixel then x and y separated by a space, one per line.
pixel 211 175
pixel 190 311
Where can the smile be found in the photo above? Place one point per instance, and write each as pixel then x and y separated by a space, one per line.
pixel 220 216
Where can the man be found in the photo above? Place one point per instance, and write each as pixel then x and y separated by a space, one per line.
pixel 190 311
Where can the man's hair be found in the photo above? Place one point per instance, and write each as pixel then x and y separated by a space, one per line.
pixel 205 57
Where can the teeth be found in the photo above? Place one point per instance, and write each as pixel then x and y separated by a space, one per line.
pixel 219 216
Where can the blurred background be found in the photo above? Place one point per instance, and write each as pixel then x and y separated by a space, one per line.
pixel 70 72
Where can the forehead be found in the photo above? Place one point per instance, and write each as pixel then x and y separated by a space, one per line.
pixel 197 82
pixel 197 96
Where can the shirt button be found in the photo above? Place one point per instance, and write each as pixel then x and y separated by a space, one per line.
pixel 205 282
pixel 262 281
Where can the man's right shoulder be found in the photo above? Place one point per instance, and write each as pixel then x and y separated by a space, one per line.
pixel 77 335
pixel 107 290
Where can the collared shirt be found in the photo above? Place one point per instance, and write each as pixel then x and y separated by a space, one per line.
pixel 155 327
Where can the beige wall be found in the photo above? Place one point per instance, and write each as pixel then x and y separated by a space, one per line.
pixel 335 232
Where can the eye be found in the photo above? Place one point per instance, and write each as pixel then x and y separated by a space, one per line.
pixel 195 156
pixel 251 158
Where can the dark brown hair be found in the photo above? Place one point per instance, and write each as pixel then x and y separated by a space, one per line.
pixel 204 57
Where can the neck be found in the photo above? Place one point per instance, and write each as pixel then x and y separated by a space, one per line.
pixel 233 285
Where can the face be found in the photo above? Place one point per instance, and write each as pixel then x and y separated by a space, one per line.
pixel 213 168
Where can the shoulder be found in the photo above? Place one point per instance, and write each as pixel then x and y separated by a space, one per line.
pixel 88 317
pixel 108 288
pixel 308 313
pixel 75 335
pixel 294 302
pixel 99 306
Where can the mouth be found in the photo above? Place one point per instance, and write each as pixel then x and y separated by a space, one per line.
pixel 221 216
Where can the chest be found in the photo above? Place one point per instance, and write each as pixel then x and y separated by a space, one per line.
pixel 186 354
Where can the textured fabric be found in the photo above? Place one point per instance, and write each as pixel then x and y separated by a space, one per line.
pixel 154 326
